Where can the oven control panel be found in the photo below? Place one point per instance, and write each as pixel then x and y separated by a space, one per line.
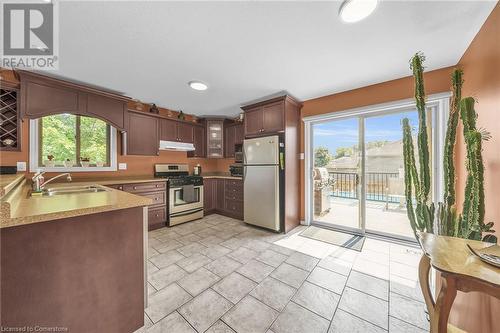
pixel 187 180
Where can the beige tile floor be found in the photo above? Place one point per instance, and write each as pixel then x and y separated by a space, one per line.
pixel 218 274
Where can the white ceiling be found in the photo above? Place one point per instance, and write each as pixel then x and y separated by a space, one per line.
pixel 247 50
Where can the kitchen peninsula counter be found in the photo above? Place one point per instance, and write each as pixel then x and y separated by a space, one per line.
pixel 91 248
pixel 9 182
pixel 19 208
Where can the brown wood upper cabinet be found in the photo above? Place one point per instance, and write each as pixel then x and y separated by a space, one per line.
pixel 253 121
pixel 233 134
pixel 199 141
pixel 173 130
pixel 43 95
pixel 185 132
pixel 265 118
pixel 142 134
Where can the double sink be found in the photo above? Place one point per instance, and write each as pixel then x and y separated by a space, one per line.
pixel 77 189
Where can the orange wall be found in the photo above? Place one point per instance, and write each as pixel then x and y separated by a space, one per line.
pixel 436 81
pixel 136 165
pixel 481 65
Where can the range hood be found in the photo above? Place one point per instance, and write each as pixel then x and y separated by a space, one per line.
pixel 174 145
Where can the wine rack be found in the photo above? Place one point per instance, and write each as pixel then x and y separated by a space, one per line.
pixel 10 124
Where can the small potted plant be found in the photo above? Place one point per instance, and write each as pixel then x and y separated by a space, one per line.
pixel 68 163
pixel 50 162
pixel 84 161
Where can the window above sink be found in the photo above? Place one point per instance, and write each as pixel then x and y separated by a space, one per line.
pixel 67 142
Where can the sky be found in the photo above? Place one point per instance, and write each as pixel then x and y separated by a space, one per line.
pixel 344 133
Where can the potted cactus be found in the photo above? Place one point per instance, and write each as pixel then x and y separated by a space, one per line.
pixel 443 218
pixel 84 161
pixel 50 162
pixel 68 163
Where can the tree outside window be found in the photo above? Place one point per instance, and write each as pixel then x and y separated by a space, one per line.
pixel 68 137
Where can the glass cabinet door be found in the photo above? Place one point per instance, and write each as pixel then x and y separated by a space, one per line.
pixel 215 133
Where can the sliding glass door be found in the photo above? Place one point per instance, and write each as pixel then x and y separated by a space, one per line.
pixel 357 176
pixel 385 201
pixel 337 170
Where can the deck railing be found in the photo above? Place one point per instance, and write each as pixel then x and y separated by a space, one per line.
pixel 377 186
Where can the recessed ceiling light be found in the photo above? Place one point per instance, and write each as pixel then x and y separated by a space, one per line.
pixel 355 10
pixel 198 85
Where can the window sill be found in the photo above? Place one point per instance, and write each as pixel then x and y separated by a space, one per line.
pixel 75 169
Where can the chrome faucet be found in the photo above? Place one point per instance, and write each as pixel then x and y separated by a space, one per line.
pixel 68 178
pixel 39 187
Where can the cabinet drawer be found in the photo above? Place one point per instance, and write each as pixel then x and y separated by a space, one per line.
pixel 116 187
pixel 157 215
pixel 233 193
pixel 234 207
pixel 157 197
pixel 144 187
pixel 234 182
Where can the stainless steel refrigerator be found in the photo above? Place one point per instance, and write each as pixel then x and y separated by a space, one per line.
pixel 263 175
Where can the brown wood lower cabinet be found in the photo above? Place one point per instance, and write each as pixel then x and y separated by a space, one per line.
pixel 156 191
pixel 223 196
pixel 209 195
pixel 73 269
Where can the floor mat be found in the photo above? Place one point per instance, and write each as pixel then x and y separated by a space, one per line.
pixel 353 242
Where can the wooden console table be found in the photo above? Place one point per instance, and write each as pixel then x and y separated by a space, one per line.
pixel 460 270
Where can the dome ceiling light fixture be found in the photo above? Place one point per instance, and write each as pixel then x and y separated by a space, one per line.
pixel 352 11
pixel 198 85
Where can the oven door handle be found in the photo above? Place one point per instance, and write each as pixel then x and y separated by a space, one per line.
pixel 186 212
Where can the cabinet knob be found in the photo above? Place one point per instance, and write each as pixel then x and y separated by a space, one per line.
pixel 157 185
pixel 156 199
pixel 135 187
pixel 157 215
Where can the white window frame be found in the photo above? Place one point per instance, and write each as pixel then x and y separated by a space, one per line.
pixel 35 148
pixel 440 102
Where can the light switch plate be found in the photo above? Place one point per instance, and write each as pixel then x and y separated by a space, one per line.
pixel 21 166
pixel 122 166
pixel 301 156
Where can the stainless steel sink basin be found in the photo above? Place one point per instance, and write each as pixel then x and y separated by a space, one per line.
pixel 73 190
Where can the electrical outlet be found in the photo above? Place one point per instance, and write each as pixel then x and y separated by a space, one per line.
pixel 301 156
pixel 122 166
pixel 21 166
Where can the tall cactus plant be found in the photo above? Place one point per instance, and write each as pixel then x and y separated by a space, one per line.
pixel 422 217
pixel 473 207
pixel 470 224
pixel 446 214
pixel 450 138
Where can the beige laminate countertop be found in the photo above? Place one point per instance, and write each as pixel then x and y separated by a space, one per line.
pixel 114 180
pixel 19 208
pixel 220 176
pixel 8 182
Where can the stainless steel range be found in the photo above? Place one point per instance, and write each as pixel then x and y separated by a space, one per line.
pixel 185 193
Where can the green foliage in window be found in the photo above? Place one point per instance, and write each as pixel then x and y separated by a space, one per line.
pixel 59 137
pixel 322 157
pixel 71 137
pixel 94 139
